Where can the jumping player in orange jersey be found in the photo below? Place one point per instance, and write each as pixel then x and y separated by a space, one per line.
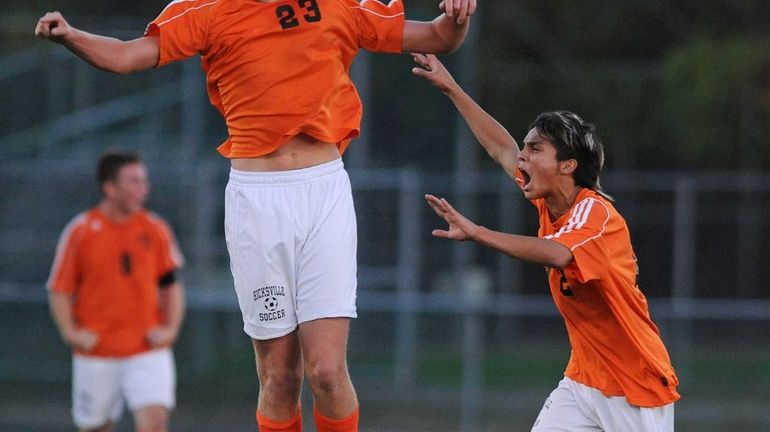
pixel 278 73
pixel 619 377
pixel 115 300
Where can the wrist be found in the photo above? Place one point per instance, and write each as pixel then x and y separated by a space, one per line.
pixel 476 233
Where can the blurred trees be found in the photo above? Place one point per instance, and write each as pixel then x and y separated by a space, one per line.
pixel 717 102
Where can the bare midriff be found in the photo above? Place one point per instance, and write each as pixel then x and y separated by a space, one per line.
pixel 302 151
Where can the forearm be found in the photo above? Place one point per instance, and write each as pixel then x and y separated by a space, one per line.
pixel 174 305
pixel 111 54
pixel 495 139
pixel 60 305
pixel 531 249
pixel 440 36
pixel 449 33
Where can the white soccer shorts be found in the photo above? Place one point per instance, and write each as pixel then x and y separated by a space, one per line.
pixel 574 407
pixel 292 241
pixel 101 385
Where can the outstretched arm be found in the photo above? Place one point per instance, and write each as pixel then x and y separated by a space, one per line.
pixel 531 249
pixel 106 53
pixel 491 134
pixel 442 35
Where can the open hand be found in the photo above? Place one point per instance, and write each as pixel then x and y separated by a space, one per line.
pixel 460 228
pixel 434 71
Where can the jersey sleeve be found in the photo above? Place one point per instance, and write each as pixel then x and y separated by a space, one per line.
pixel 65 272
pixel 381 27
pixel 182 29
pixel 169 256
pixel 583 235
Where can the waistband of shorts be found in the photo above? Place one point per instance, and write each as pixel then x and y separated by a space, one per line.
pixel 302 175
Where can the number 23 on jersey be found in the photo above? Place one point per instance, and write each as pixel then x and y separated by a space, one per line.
pixel 288 18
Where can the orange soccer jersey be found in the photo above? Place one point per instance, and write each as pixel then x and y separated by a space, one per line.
pixel 278 69
pixel 112 271
pixel 616 348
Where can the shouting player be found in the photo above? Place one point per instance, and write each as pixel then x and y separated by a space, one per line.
pixel 278 73
pixel 619 377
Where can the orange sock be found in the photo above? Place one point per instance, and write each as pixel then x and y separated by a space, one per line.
pixel 325 424
pixel 293 424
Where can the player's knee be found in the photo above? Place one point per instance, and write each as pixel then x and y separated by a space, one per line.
pixel 327 376
pixel 151 419
pixel 281 381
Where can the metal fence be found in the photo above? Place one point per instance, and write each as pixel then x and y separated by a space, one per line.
pixel 403 274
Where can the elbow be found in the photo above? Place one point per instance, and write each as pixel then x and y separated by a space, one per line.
pixel 560 257
pixel 448 35
pixel 448 44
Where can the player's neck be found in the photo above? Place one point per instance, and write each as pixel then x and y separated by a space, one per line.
pixel 114 212
pixel 560 201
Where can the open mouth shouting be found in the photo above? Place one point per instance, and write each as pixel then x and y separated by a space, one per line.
pixel 526 179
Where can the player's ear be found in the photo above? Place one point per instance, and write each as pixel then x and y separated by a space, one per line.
pixel 108 189
pixel 568 166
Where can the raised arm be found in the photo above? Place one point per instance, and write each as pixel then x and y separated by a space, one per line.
pixel 106 53
pixel 442 35
pixel 489 132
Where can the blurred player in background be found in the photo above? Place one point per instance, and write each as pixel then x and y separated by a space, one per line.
pixel 619 377
pixel 116 301
pixel 278 73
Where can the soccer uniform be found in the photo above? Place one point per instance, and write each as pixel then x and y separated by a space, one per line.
pixel 616 347
pixel 113 271
pixel 276 70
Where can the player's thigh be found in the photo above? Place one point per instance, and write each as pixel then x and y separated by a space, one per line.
pixel 563 412
pixel 261 242
pixel 149 379
pixel 96 391
pixel 326 275
pixel 324 342
pixel 617 415
pixel 278 354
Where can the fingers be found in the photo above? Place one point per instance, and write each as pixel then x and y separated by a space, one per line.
pixel 448 7
pixel 459 9
pixel 49 25
pixel 463 12
pixel 440 233
pixel 431 68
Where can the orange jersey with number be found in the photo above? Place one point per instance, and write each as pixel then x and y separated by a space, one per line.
pixel 616 347
pixel 112 270
pixel 275 70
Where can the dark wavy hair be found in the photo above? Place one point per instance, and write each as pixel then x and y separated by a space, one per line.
pixel 574 138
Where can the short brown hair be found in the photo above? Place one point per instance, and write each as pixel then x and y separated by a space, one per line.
pixel 111 162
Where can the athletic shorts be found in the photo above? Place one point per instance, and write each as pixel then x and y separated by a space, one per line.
pixel 575 407
pixel 292 240
pixel 101 385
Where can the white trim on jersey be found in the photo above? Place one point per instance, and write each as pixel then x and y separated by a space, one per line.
pixel 183 12
pixel 360 6
pixel 61 246
pixel 578 219
pixel 174 252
